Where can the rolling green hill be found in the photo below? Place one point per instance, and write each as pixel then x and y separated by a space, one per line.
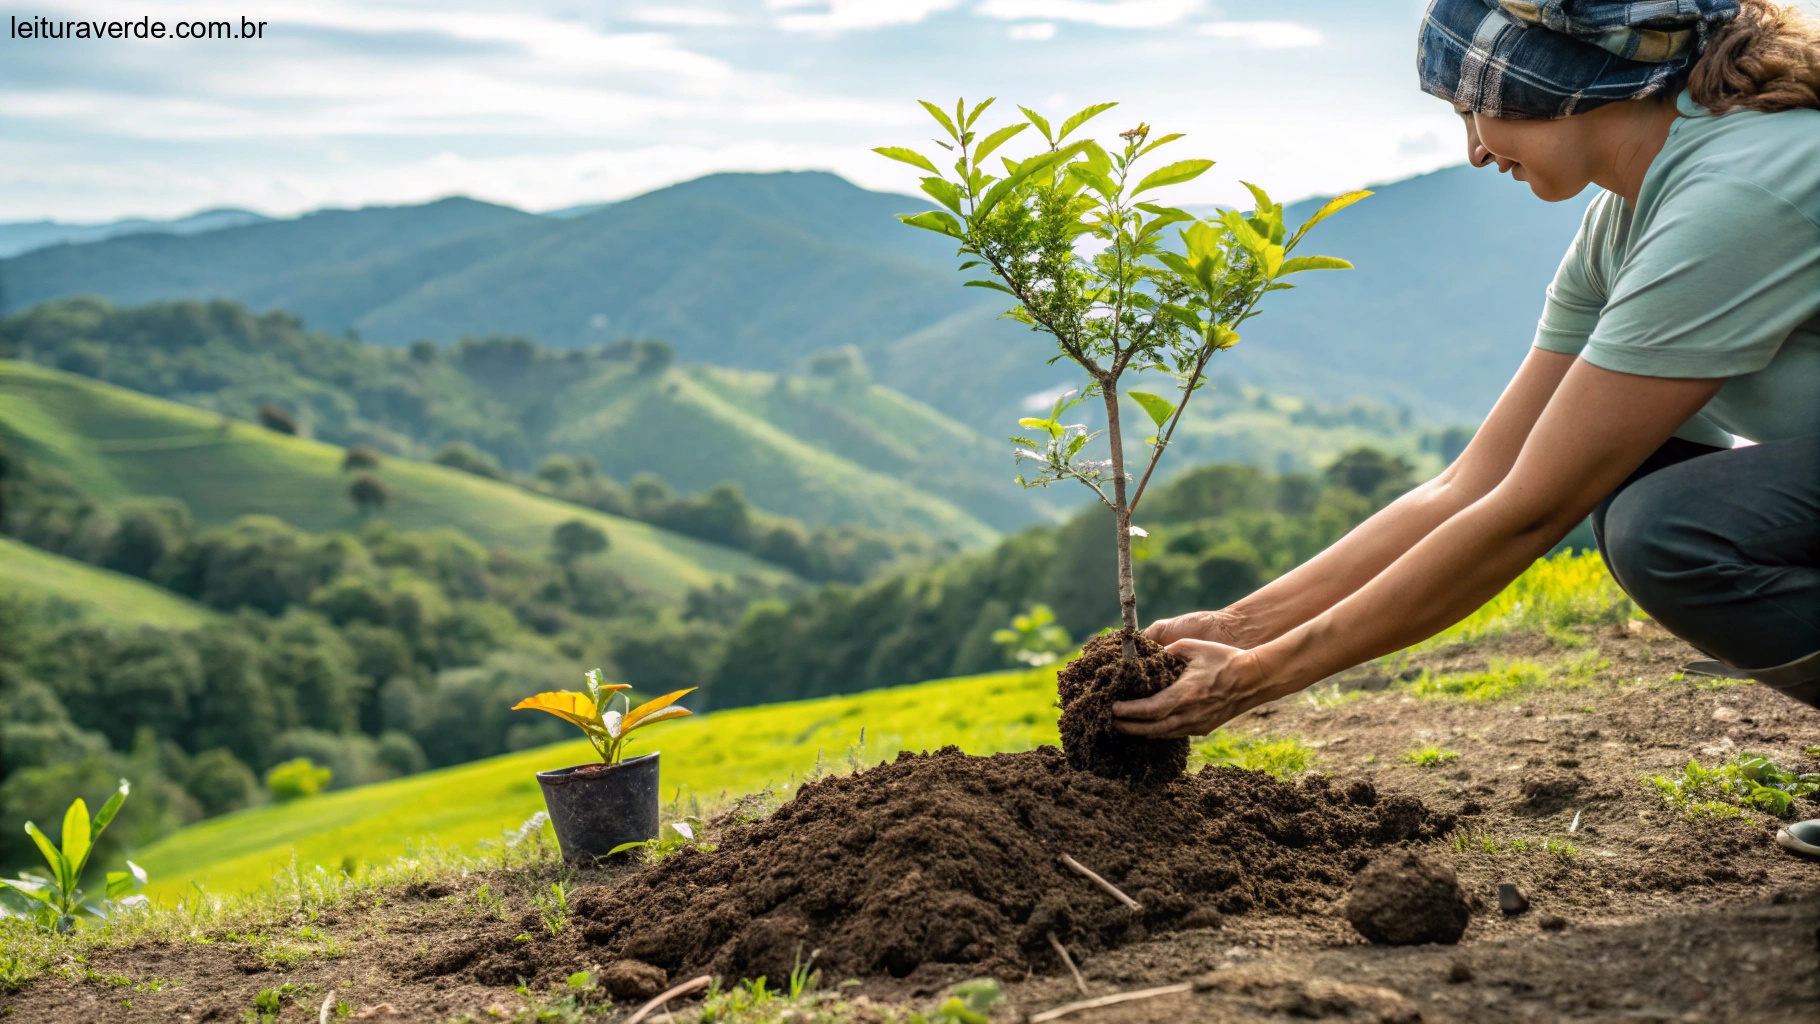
pixel 108 597
pixel 116 443
pixel 704 758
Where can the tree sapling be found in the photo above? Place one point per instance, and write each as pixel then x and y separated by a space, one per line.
pixel 1065 234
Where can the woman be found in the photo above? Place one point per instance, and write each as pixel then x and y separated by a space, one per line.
pixel 1686 312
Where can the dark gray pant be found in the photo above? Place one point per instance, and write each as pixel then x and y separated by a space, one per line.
pixel 1722 547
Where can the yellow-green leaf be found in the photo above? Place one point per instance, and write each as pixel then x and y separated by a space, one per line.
pixel 1081 118
pixel 649 707
pixel 939 221
pixel 1331 207
pixel 1042 123
pixel 1173 174
pixel 575 708
pixel 658 716
pixel 941 117
pixel 75 841
pixel 997 139
pixel 908 156
pixel 1301 263
pixel 1156 406
pixel 52 857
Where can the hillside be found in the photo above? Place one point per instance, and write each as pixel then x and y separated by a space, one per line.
pixel 116 444
pixel 758 270
pixel 96 594
pixel 23 236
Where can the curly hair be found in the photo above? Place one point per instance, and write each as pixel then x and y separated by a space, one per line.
pixel 1766 59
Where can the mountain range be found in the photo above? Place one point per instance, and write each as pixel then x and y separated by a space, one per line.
pixel 756 271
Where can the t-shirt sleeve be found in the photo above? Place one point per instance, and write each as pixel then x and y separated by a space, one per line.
pixel 1577 294
pixel 1719 278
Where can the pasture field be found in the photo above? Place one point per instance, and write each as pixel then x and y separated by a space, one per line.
pixel 118 444
pixel 97 594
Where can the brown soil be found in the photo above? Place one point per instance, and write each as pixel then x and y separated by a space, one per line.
pixel 1662 919
pixel 1089 686
pixel 1405 899
pixel 941 866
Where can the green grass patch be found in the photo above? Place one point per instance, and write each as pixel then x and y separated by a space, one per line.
pixel 1551 596
pixel 1746 781
pixel 1429 757
pixel 96 594
pixel 1285 757
pixel 1506 678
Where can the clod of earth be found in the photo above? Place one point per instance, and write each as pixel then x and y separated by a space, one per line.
pixel 943 866
pixel 1511 899
pixel 1403 899
pixel 1089 686
pixel 628 980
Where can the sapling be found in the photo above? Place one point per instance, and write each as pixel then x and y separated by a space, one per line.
pixel 1075 235
pixel 593 713
pixel 55 899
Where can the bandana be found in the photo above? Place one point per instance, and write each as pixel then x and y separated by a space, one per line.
pixel 1544 59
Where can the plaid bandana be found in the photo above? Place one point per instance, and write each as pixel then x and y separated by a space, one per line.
pixel 1544 59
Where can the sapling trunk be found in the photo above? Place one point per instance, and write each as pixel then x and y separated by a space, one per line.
pixel 1121 513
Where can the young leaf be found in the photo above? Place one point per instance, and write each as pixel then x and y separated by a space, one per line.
pixel 658 716
pixel 934 220
pixel 1173 174
pixel 650 707
pixel 908 156
pixel 1164 141
pixel 1082 117
pixel 944 192
pixel 1020 173
pixel 109 809
pixel 52 857
pixel 1259 196
pixel 77 841
pixel 1158 407
pixel 994 285
pixel 1224 337
pixel 575 708
pixel 942 118
pixel 978 109
pixel 997 139
pixel 1333 206
pixel 1301 263
pixel 1042 125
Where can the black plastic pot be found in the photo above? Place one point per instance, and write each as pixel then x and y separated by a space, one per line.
pixel 595 809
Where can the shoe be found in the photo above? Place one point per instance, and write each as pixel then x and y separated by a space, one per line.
pixel 1802 837
pixel 1715 668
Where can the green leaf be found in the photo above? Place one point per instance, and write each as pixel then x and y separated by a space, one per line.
pixel 941 117
pixel 52 857
pixel 1154 143
pixel 1184 316
pixel 997 139
pixel 1176 263
pixel 1273 260
pixel 1332 206
pixel 1042 125
pixel 1224 337
pixel 1244 233
pixel 1173 174
pixel 1301 263
pixel 1082 117
pixel 623 847
pixel 944 192
pixel 1075 446
pixel 1280 286
pixel 994 285
pixel 1165 216
pixel 1101 183
pixel 1259 196
pixel 1157 406
pixel 1038 423
pixel 1020 173
pixel 908 156
pixel 936 221
pixel 978 109
pixel 109 809
pixel 76 841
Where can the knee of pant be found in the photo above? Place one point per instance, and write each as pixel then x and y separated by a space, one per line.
pixel 1653 551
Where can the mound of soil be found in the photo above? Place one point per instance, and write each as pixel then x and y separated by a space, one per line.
pixel 940 865
pixel 1091 684
pixel 1403 899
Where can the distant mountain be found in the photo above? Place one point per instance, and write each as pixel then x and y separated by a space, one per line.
pixel 25 236
pixel 758 271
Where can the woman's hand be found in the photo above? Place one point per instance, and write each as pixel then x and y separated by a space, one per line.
pixel 1220 683
pixel 1220 627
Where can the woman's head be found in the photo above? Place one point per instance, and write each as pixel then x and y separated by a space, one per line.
pixel 1554 92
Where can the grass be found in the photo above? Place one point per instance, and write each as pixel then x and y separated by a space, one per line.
pixel 705 760
pixel 1748 780
pixel 118 444
pixel 1429 757
pixel 1505 678
pixel 1551 596
pixel 1285 757
pixel 96 594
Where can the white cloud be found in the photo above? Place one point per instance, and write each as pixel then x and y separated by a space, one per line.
pixel 683 17
pixel 829 16
pixel 1033 30
pixel 1265 35
pixel 1114 14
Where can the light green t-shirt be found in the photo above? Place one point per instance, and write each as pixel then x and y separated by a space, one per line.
pixel 1715 273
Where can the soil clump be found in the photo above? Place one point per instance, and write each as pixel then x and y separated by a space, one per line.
pixel 1089 686
pixel 1404 899
pixel 942 865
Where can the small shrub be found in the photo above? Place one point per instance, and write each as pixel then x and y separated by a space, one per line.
pixel 1034 638
pixel 296 779
pixel 276 419
pixel 1748 780
pixel 369 493
pixel 360 457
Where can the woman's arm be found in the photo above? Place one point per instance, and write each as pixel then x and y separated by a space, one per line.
pixel 1324 580
pixel 1597 429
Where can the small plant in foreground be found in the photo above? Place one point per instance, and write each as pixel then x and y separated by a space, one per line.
pixel 1285 757
pixel 1066 235
pixel 553 907
pixel 680 836
pixel 1034 638
pixel 54 902
pixel 1429 757
pixel 592 712
pixel 1748 780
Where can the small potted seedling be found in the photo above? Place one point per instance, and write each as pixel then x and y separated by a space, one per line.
pixel 1075 236
pixel 599 808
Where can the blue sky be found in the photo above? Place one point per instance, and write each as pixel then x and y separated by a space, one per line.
pixel 547 103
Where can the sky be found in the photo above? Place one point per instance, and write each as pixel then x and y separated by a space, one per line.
pixel 544 104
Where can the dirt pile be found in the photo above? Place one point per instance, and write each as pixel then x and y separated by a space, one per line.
pixel 1404 899
pixel 1089 686
pixel 941 865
